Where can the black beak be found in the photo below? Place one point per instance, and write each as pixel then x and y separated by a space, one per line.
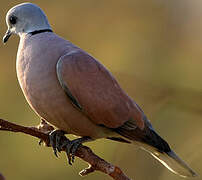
pixel 6 36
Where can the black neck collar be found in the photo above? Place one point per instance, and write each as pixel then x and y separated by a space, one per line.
pixel 40 31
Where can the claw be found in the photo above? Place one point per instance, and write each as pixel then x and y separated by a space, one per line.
pixel 66 145
pixel 55 138
pixel 59 142
pixel 72 147
pixel 40 142
pixel 69 158
pixel 55 152
pixel 68 152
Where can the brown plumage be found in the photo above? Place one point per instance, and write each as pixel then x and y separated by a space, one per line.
pixel 96 90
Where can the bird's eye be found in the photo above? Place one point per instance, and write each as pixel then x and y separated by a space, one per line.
pixel 13 19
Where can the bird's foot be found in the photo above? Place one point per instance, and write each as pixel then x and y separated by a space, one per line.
pixel 60 142
pixel 56 137
pixel 71 148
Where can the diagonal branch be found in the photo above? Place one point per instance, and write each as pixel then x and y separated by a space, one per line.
pixel 85 153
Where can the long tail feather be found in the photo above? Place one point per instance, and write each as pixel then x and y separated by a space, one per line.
pixel 151 142
pixel 171 161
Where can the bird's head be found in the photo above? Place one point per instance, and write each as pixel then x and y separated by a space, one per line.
pixel 25 18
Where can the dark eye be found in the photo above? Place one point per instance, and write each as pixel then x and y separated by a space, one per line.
pixel 13 19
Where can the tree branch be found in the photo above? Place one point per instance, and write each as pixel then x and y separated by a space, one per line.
pixel 2 177
pixel 85 153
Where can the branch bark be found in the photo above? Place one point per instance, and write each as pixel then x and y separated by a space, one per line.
pixel 2 177
pixel 85 153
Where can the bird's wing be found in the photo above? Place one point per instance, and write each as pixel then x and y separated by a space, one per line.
pixel 94 91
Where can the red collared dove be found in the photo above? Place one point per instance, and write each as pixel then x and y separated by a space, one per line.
pixel 73 91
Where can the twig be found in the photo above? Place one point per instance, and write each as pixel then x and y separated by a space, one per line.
pixel 85 153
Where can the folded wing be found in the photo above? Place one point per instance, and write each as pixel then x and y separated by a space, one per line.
pixel 94 91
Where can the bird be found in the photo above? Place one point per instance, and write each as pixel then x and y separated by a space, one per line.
pixel 72 91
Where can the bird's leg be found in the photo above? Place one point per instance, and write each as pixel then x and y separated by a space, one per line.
pixel 43 127
pixel 60 142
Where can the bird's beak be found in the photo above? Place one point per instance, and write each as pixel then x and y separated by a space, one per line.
pixel 6 36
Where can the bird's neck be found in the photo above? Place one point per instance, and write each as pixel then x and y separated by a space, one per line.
pixel 40 31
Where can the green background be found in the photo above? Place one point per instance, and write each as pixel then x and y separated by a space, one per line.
pixel 153 48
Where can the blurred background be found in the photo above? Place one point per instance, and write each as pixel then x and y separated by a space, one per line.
pixel 153 48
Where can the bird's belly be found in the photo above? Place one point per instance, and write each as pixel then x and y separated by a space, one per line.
pixel 47 98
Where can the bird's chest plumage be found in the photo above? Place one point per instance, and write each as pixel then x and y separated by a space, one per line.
pixel 38 79
pixel 36 72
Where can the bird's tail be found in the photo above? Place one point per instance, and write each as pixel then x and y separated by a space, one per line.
pixel 171 161
pixel 151 142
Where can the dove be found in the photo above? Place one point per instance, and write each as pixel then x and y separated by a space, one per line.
pixel 74 92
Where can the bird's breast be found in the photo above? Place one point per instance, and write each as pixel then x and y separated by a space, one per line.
pixel 36 72
pixel 38 81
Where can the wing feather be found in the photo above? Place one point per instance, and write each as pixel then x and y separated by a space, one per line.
pixel 94 91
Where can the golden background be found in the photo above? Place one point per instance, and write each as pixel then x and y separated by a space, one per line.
pixel 154 49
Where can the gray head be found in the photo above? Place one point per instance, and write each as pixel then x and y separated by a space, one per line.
pixel 25 18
